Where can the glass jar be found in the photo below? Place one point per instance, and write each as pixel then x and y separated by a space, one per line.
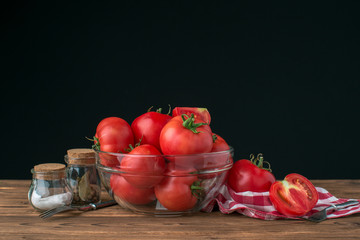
pixel 49 188
pixel 82 176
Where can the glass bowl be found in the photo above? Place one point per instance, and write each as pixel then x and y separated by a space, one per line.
pixel 186 183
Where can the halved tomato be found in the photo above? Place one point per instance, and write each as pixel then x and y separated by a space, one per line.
pixel 200 113
pixel 294 196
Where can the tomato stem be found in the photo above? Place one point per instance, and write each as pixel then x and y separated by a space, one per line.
pixel 150 109
pixel 269 166
pixel 190 124
pixel 140 140
pixel 90 139
pixel 159 110
pixel 197 190
pixel 214 138
pixel 259 162
pixel 169 110
pixel 130 148
pixel 96 145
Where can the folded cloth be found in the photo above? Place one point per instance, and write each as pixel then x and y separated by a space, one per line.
pixel 258 205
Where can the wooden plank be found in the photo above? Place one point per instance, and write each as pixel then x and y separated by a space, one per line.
pixel 18 220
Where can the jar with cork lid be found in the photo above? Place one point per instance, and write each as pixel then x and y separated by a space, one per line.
pixel 82 176
pixel 49 188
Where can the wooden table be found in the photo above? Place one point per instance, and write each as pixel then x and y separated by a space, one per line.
pixel 18 220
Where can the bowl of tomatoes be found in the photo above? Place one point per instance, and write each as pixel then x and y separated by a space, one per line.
pixel 164 184
pixel 162 164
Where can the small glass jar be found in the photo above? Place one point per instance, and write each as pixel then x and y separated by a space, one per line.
pixel 49 188
pixel 82 176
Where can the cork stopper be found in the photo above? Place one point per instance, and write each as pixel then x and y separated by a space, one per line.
pixel 80 156
pixel 49 171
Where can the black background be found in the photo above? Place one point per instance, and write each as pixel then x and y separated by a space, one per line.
pixel 281 79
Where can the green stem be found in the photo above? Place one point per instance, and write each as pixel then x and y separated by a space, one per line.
pixel 169 110
pixel 150 109
pixel 214 138
pixel 259 162
pixel 190 124
pixel 96 145
pixel 196 189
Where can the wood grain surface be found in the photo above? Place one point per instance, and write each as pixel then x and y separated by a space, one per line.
pixel 18 220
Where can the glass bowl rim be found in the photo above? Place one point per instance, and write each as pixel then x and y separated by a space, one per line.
pixel 200 171
pixel 230 150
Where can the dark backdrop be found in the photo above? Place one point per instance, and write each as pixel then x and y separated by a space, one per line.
pixel 278 79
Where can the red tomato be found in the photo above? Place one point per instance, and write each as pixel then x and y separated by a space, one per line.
pixel 127 192
pixel 219 144
pixel 200 113
pixel 294 196
pixel 179 190
pixel 220 159
pixel 147 127
pixel 185 135
pixel 248 175
pixel 114 135
pixel 143 171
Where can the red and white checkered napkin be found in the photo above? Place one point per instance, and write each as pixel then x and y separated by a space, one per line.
pixel 258 205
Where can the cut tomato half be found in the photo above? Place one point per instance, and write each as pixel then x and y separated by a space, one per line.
pixel 294 196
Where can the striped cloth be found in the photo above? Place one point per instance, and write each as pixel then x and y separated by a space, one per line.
pixel 258 205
